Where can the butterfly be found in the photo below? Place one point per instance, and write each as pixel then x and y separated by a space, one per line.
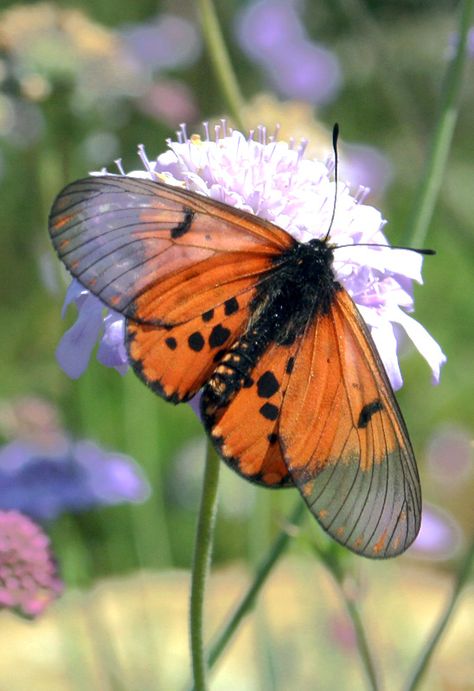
pixel 222 302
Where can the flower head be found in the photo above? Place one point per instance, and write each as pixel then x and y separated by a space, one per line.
pixel 439 537
pixel 74 477
pixel 272 33
pixel 275 181
pixel 28 575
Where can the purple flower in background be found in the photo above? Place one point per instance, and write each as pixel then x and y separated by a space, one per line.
pixel 439 536
pixel 164 42
pixel 272 34
pixel 94 321
pixel 365 166
pixel 74 477
pixel 28 575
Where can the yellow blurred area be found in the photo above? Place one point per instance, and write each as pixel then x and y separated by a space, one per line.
pixel 131 633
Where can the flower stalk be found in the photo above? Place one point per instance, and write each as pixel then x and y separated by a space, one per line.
pixel 432 177
pixel 200 569
pixel 423 661
pixel 220 60
pixel 263 571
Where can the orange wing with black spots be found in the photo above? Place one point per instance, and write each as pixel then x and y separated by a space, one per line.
pixel 344 439
pixel 159 254
pixel 175 362
pixel 246 430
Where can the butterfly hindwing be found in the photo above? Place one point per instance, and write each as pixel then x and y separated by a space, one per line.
pixel 246 429
pixel 159 254
pixel 344 439
pixel 176 361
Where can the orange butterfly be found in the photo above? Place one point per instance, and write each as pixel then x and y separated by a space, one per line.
pixel 293 390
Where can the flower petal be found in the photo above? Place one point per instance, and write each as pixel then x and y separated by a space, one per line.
pixel 75 347
pixel 422 340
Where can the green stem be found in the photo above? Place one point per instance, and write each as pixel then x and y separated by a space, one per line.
pixel 439 629
pixel 201 561
pixel 361 638
pixel 443 134
pixel 220 59
pixel 332 563
pixel 261 575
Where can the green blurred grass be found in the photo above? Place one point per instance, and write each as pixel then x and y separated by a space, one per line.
pixel 393 64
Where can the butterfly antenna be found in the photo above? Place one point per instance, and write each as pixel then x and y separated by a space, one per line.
pixel 335 137
pixel 418 250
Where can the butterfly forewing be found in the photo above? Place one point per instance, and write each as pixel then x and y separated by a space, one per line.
pixel 144 247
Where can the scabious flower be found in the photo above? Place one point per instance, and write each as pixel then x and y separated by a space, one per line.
pixel 73 477
pixel 28 575
pixel 275 181
pixel 272 34
pixel 359 164
pixel 439 537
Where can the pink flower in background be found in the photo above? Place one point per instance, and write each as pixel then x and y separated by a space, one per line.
pixel 29 581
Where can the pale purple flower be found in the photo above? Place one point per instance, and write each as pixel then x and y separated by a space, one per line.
pixel 75 476
pixel 274 180
pixel 272 34
pixel 365 166
pixel 28 574
pixel 439 537
pixel 165 42
pixel 94 321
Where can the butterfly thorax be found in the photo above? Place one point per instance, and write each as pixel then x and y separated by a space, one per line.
pixel 300 286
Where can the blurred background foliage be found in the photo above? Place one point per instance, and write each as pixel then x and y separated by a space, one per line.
pixel 81 84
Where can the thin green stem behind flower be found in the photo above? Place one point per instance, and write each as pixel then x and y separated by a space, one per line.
pixel 432 178
pixel 220 59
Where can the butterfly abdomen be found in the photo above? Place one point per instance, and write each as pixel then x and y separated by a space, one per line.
pixel 233 372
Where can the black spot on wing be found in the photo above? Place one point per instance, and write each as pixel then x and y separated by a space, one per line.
pixel 290 364
pixel 171 343
pixel 272 438
pixel 367 412
pixel 196 341
pixel 183 227
pixel 231 306
pixel 207 316
pixel 269 411
pixel 267 385
pixel 219 336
